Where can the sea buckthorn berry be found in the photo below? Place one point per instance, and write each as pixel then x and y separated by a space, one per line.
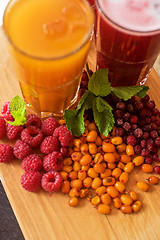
pixel 76 156
pixel 147 168
pixel 121 165
pixel 86 159
pixel 116 140
pixel 87 182
pixel 77 142
pixel 95 200
pixel 153 180
pixel 84 148
pixel 77 183
pixel 76 149
pixel 121 148
pixel 73 202
pixel 113 192
pixel 73 175
pixel 101 190
pixel 108 181
pixel 81 175
pixel 138 161
pixel 96 183
pixel 143 186
pixel 64 175
pixel 129 150
pixel 133 195
pixel 85 167
pixel 92 136
pixel 92 148
pixel 92 126
pixel 117 202
pixel 83 193
pixel 108 147
pixel 67 168
pixel 98 158
pixel 137 206
pixel 65 188
pixel 126 209
pixel 104 209
pixel 98 141
pixel 124 177
pixel 76 166
pixel 129 167
pixel 104 137
pixel 109 157
pixel 106 198
pixel 111 165
pixel 125 158
pixel 120 186
pixel 104 164
pixel 99 149
pixel 99 168
pixel 116 172
pixel 126 200
pixel 91 173
pixel 106 173
pixel 117 156
pixel 85 134
pixel 67 161
pixel 74 192
pixel 86 123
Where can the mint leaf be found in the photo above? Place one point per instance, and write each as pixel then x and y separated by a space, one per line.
pixel 103 119
pixel 102 105
pixel 99 84
pixel 126 93
pixel 18 111
pixel 74 118
pixel 143 92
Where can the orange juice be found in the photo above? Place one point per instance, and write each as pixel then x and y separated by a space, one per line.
pixel 49 41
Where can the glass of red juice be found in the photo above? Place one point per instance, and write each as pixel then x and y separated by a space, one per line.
pixel 127 39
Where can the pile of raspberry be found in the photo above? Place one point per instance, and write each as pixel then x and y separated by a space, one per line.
pixel 40 145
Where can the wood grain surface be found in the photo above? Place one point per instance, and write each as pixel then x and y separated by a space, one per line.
pixel 43 216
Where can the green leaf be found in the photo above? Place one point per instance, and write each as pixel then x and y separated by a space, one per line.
pixel 99 84
pixel 18 111
pixel 126 93
pixel 104 120
pixel 102 105
pixel 143 92
pixel 74 118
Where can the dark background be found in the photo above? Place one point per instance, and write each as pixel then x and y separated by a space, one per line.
pixel 9 228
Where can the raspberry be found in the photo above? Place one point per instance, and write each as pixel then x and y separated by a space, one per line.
pixel 13 132
pixel 31 181
pixel 49 125
pixel 64 151
pixel 64 135
pixel 33 120
pixel 131 140
pixel 6 153
pixel 32 135
pixel 2 127
pixel 21 149
pixel 32 162
pixel 53 161
pixel 52 181
pixel 6 112
pixel 50 144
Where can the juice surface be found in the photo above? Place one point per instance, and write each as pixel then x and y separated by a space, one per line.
pixel 136 15
pixel 47 28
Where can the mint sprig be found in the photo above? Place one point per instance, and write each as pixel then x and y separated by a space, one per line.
pixel 18 111
pixel 98 88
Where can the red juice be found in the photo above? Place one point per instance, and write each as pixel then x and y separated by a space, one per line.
pixel 128 39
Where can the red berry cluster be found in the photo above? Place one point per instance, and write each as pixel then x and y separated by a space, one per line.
pixel 51 138
pixel 137 121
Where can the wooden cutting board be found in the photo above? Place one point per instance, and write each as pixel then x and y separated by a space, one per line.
pixel 43 216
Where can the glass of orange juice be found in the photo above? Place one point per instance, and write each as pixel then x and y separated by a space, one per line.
pixel 49 41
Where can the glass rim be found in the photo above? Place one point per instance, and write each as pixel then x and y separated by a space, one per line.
pixel 144 33
pixel 84 40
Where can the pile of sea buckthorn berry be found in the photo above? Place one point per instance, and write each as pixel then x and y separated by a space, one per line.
pixel 98 168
